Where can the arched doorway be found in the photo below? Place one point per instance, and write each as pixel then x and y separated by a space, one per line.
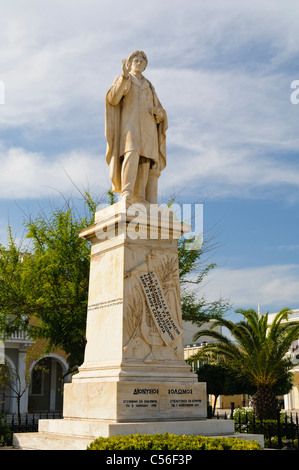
pixel 46 385
pixel 296 389
pixel 7 403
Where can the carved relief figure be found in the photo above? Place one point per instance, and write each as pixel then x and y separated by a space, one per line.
pixel 144 340
pixel 136 125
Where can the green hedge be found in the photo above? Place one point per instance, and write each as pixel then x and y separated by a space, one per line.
pixel 245 422
pixel 171 442
pixel 5 432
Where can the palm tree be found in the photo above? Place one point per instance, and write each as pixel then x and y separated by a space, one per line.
pixel 256 354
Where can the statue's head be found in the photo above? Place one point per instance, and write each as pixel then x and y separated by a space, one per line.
pixel 137 59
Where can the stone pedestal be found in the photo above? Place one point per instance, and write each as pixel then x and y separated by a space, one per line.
pixel 121 402
pixel 134 366
pixel 134 377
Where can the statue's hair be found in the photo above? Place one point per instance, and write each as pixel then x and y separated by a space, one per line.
pixel 131 57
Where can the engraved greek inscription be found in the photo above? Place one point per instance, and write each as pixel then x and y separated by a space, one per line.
pixel 107 303
pixel 184 403
pixel 180 391
pixel 146 391
pixel 158 307
pixel 140 403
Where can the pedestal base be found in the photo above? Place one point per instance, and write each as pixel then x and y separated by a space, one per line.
pixel 135 401
pixel 77 434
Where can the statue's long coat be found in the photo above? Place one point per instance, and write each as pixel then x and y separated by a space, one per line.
pixel 130 125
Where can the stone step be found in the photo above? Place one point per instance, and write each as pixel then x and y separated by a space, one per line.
pixel 49 441
pixel 77 434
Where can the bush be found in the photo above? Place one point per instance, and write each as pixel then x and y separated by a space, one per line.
pixel 246 414
pixel 243 415
pixel 245 422
pixel 5 432
pixel 171 442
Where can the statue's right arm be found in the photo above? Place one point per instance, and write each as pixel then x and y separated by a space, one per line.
pixel 120 88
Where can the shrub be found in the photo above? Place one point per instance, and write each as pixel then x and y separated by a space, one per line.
pixel 243 415
pixel 246 414
pixel 245 422
pixel 171 442
pixel 5 432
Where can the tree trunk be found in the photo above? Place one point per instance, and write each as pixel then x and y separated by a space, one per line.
pixel 19 409
pixel 265 403
pixel 214 405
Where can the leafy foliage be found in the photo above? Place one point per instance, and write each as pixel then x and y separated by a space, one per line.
pixel 171 442
pixel 221 381
pixel 195 307
pixel 256 354
pixel 44 288
pixel 245 421
pixel 5 432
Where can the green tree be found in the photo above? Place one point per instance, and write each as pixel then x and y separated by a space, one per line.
pixel 256 354
pixel 195 307
pixel 220 381
pixel 11 380
pixel 44 287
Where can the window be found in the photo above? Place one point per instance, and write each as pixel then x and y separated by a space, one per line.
pixel 37 382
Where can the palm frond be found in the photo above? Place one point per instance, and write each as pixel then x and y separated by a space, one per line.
pixel 257 351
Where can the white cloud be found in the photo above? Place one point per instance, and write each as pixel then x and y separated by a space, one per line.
pixel 217 68
pixel 32 175
pixel 221 68
pixel 230 128
pixel 273 286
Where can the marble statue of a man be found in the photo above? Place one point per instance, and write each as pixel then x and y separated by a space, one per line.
pixel 135 129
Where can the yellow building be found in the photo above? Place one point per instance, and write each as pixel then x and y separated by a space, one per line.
pixel 37 377
pixel 291 400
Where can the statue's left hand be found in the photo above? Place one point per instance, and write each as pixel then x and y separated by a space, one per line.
pixel 156 166
pixel 158 114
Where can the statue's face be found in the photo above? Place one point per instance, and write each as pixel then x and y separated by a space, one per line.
pixel 138 64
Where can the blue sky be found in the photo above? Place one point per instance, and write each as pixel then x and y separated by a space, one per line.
pixel 222 70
